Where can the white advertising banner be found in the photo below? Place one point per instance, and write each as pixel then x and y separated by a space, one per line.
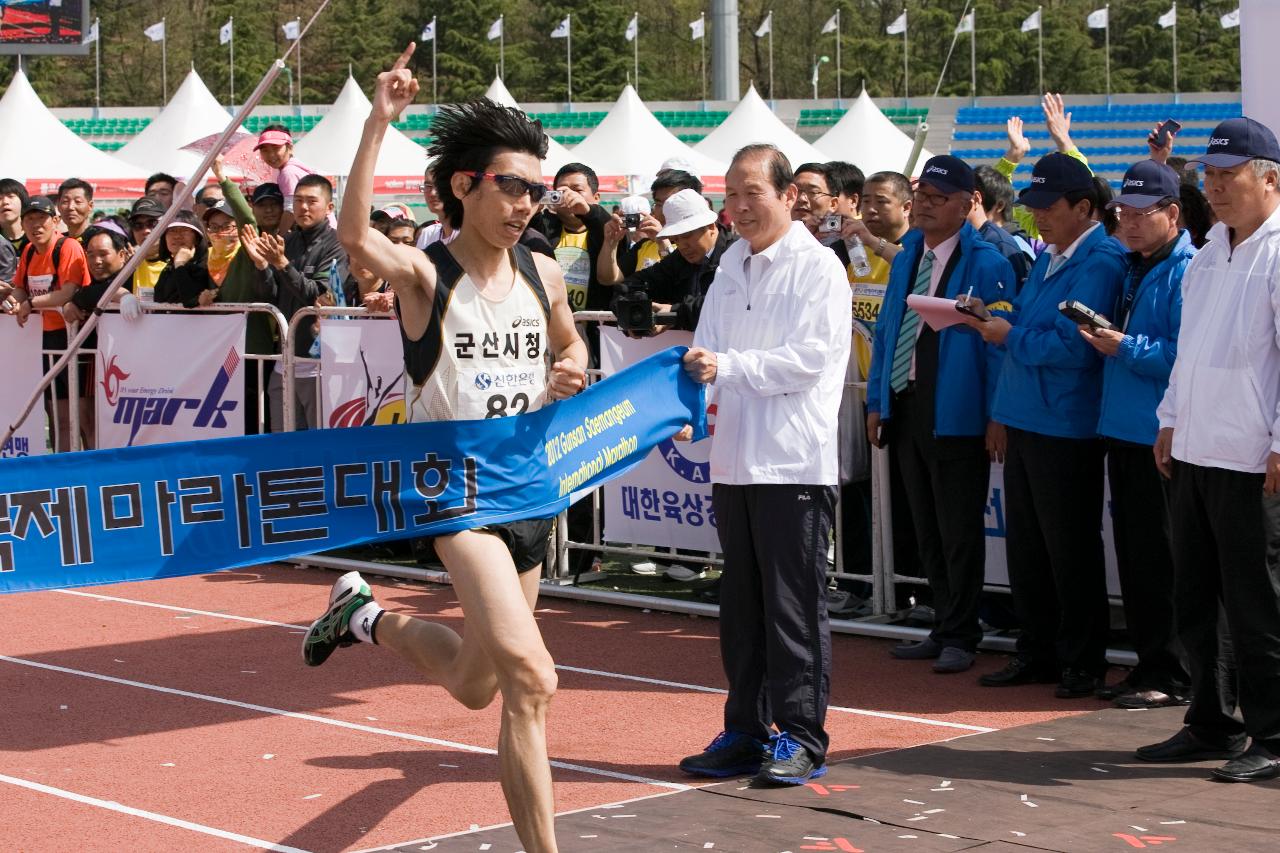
pixel 362 370
pixel 169 377
pixel 665 500
pixel 21 347
pixel 998 569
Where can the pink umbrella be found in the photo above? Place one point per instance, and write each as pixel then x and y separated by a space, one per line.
pixel 238 156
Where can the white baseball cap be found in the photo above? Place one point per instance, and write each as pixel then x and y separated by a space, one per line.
pixel 636 204
pixel 686 211
pixel 680 164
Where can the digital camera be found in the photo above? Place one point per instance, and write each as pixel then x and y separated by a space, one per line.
pixel 634 312
pixel 830 223
pixel 553 198
pixel 631 220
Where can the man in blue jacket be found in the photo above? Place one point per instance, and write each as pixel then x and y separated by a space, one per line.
pixel 1138 358
pixel 929 398
pixel 1049 396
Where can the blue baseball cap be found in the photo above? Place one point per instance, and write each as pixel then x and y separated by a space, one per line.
pixel 1053 177
pixel 947 173
pixel 1236 140
pixel 1145 184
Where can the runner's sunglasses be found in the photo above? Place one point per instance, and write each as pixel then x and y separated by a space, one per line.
pixel 513 186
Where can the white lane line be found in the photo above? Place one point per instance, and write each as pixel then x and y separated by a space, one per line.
pixel 343 724
pixel 600 673
pixel 153 816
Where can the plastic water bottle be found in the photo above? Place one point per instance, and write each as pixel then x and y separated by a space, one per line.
pixel 858 257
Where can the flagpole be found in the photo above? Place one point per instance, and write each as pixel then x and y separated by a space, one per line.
pixel 502 48
pixel 97 67
pixel 1107 36
pixel 771 96
pixel 635 47
pixel 299 20
pixel 435 39
pixel 702 16
pixel 164 62
pixel 906 73
pixel 231 45
pixel 973 57
pixel 568 47
pixel 838 90
pixel 1040 40
pixel 1175 52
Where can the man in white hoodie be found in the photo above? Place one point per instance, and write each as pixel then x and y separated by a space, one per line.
pixel 773 342
pixel 1219 443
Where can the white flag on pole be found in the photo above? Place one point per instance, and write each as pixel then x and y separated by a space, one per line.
pixel 831 24
pixel 966 24
pixel 633 27
pixel 224 34
pixel 1231 19
pixel 428 31
pixel 1032 22
pixel 291 29
pixel 1097 19
pixel 766 26
pixel 698 28
pixel 899 24
pixel 91 36
pixel 495 30
pixel 562 31
pixel 155 32
pixel 1170 18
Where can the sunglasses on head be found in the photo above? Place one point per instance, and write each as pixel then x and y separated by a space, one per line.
pixel 513 186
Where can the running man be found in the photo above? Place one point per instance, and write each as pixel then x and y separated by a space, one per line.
pixel 488 174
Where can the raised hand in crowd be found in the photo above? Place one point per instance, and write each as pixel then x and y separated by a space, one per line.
pixel 396 88
pixel 574 202
pixel 1018 144
pixel 271 246
pixel 218 174
pixel 1058 121
pixel 1160 153
pixel 249 243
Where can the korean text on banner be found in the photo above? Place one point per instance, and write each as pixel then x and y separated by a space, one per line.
pixel 21 348
pixel 137 513
pixel 665 501
pixel 362 366
pixel 170 378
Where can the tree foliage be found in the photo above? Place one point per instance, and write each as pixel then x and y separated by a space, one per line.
pixel 363 36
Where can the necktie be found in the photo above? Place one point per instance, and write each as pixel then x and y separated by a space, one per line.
pixel 906 344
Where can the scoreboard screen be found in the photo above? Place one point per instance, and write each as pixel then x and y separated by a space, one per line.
pixel 44 26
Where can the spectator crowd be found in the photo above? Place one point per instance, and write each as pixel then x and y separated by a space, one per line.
pixel 1129 339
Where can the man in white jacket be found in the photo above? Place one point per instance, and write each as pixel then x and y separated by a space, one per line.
pixel 1219 443
pixel 773 342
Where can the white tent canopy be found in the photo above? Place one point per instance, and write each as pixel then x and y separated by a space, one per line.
pixel 865 137
pixel 750 122
pixel 631 143
pixel 557 154
pixel 192 113
pixel 330 147
pixel 35 145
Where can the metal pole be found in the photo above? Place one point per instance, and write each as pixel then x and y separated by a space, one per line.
pixel 973 58
pixel 635 47
pixel 771 95
pixel 435 39
pixel 299 20
pixel 164 62
pixel 702 16
pixel 1040 40
pixel 1175 53
pixel 97 67
pixel 906 72
pixel 568 48
pixel 231 46
pixel 1107 36
pixel 838 92
pixel 502 47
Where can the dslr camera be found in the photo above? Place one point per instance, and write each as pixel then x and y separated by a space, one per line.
pixel 634 312
pixel 553 198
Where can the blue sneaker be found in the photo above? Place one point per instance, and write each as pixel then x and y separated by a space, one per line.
pixel 788 763
pixel 730 754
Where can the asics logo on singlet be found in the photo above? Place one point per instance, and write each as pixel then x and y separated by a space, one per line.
pixel 1036 180
pixel 525 321
pixel 1218 140
pixel 484 381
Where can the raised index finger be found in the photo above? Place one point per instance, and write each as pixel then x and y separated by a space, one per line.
pixel 403 60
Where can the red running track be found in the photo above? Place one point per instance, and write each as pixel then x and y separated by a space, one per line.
pixel 178 714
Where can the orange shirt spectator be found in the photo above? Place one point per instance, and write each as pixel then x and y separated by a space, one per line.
pixel 36 274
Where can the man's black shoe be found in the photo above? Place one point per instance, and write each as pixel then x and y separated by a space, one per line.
pixel 1256 765
pixel 926 649
pixel 730 754
pixel 1077 684
pixel 1185 746
pixel 787 763
pixel 1019 670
